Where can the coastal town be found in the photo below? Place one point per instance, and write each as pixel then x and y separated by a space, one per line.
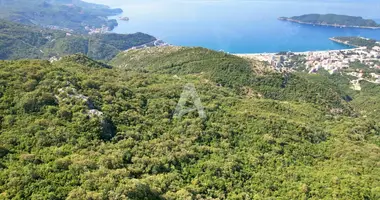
pixel 93 30
pixel 333 61
pixel 89 29
pixel 155 43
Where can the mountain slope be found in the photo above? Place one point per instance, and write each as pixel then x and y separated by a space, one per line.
pixel 232 71
pixel 62 14
pixel 72 129
pixel 217 66
pixel 19 41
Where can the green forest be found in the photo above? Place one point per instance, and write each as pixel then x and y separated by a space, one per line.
pixel 18 41
pixel 358 41
pixel 82 129
pixel 334 19
pixel 69 14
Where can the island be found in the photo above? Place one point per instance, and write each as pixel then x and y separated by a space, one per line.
pixel 124 18
pixel 342 21
pixel 356 41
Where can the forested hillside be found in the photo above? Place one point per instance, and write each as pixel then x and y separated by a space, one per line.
pixel 62 14
pixel 80 129
pixel 231 71
pixel 19 41
pixel 334 20
pixel 356 41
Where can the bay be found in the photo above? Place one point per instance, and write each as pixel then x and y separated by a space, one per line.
pixel 242 26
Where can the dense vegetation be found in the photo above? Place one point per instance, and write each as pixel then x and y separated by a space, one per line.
pixel 79 129
pixel 70 14
pixel 365 101
pixel 22 41
pixel 228 70
pixel 357 41
pixel 333 19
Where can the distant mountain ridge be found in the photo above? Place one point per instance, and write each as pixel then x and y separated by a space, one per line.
pixel 18 41
pixel 73 15
pixel 333 20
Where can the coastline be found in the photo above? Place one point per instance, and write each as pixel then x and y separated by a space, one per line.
pixel 121 11
pixel 343 42
pixel 254 55
pixel 329 25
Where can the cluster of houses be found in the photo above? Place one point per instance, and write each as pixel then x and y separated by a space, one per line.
pixel 92 30
pixel 331 61
pixel 156 43
pixel 359 74
pixel 334 61
pixel 68 30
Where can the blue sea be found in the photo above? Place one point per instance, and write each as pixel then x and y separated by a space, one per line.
pixel 242 26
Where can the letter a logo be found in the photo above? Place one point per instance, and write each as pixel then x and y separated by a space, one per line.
pixel 189 94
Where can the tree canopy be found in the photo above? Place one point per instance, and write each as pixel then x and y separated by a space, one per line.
pixel 79 129
pixel 63 14
pixel 19 41
pixel 334 19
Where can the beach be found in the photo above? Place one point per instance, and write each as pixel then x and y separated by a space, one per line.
pixel 268 57
pixel 254 55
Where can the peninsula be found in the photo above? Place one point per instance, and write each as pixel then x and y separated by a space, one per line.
pixel 342 21
pixel 356 41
